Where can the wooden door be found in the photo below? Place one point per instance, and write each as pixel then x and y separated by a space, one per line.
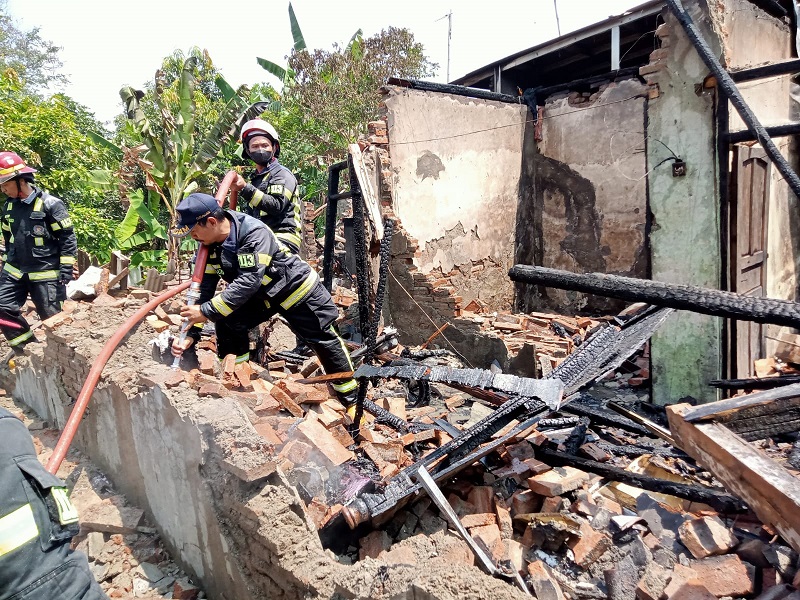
pixel 748 255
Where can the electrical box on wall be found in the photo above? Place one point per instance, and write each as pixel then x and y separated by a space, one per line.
pixel 678 168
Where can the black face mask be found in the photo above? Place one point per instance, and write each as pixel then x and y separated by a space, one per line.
pixel 261 157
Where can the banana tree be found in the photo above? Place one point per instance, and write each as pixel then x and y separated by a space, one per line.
pixel 175 157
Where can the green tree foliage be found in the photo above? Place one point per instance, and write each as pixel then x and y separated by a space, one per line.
pixel 33 59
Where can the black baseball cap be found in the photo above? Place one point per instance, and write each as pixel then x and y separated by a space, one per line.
pixel 195 207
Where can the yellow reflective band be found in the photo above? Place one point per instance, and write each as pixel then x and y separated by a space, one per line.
pixel 210 269
pixel 257 196
pixel 351 411
pixel 267 304
pixel 289 237
pixel 242 358
pixel 265 280
pixel 343 345
pixel 347 386
pixel 13 169
pixel 21 338
pixel 264 259
pixel 65 223
pixel 11 239
pixel 17 529
pixel 37 205
pixel 55 227
pixel 67 513
pixel 6 227
pixel 43 275
pixel 301 292
pixel 12 270
pixel 222 308
pixel 38 241
pixel 67 260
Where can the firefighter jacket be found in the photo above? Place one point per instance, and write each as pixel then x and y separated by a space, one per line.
pixel 38 236
pixel 271 196
pixel 254 263
pixel 37 523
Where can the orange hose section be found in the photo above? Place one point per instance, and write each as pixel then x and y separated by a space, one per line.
pixel 75 417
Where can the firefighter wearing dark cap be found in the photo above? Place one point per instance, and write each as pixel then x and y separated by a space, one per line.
pixel 271 196
pixel 37 524
pixel 264 278
pixel 40 249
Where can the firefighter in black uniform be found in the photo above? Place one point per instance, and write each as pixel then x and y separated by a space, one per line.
pixel 40 249
pixel 272 195
pixel 37 524
pixel 264 278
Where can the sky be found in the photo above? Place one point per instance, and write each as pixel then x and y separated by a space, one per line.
pixel 107 44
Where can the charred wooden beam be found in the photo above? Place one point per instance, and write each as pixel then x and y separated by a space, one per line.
pixel 755 383
pixel 725 408
pixel 696 493
pixel 769 489
pixel 737 137
pixel 779 68
pixel 682 297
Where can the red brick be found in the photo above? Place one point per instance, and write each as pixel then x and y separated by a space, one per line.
pixel 342 436
pixel 706 536
pixel 590 546
pixel 175 378
pixel 324 441
pixel 536 466
pixel 552 504
pixel 721 575
pixel 679 588
pixel 249 470
pixel 482 498
pixel 503 513
pixel 557 481
pixel 514 552
pixel 489 538
pixel 653 581
pixel 372 544
pixel 215 390
pixel 478 520
pixel 545 586
pixel 267 406
pixel 524 502
pixel 286 401
pixel 266 431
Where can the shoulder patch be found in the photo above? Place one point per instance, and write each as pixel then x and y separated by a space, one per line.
pixel 247 261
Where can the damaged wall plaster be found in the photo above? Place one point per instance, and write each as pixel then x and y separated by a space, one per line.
pixel 456 174
pixel 588 210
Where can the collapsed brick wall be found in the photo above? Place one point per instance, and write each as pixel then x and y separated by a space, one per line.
pixel 206 477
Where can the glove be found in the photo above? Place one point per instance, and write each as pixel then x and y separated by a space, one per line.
pixel 65 274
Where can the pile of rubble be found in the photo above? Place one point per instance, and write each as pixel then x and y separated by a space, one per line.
pixel 126 555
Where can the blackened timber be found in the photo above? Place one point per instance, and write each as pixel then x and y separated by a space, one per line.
pixel 720 501
pixel 729 88
pixel 603 416
pixel 736 137
pixel 723 408
pixel 588 82
pixel 766 420
pixel 457 90
pixel 754 383
pixel 330 223
pixel 779 68
pixel 682 297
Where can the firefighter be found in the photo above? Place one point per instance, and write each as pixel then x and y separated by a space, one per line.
pixel 40 249
pixel 264 278
pixel 37 524
pixel 271 196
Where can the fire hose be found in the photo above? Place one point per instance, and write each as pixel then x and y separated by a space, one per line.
pixel 111 345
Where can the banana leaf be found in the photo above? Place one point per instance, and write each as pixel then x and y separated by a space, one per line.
pixel 130 97
pixel 228 93
pixel 272 67
pixel 224 129
pixel 297 35
pixel 185 121
pixel 103 179
pixel 99 139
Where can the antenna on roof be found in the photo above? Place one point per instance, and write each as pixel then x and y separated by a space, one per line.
pixel 558 23
pixel 449 17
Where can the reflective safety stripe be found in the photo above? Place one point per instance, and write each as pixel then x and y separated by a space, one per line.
pixel 343 345
pixel 38 241
pixel 347 386
pixel 221 306
pixel 301 292
pixel 266 280
pixel 55 226
pixel 257 196
pixel 21 338
pixel 67 260
pixel 210 269
pixel 264 259
pixel 13 271
pixel 66 223
pixel 267 304
pixel 43 275
pixel 37 205
pixel 17 529
pixel 243 358
pixel 289 237
pixel 6 227
pixel 67 513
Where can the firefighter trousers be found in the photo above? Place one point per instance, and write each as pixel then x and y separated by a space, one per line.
pixel 311 319
pixel 46 296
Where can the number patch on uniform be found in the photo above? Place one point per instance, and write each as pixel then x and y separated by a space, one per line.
pixel 247 261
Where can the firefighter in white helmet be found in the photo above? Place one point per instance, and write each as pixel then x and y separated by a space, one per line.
pixel 271 195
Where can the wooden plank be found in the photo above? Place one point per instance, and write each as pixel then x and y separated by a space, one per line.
pixel 769 489
pixel 371 200
pixel 118 278
pixel 724 408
